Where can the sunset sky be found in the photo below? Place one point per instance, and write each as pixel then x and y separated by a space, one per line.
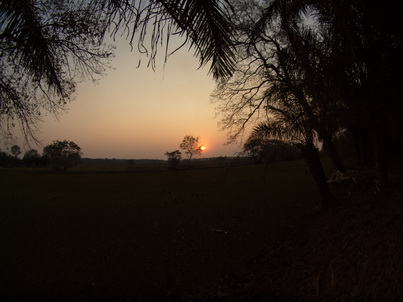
pixel 140 113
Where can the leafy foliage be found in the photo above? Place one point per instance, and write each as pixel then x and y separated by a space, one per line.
pixel 45 48
pixel 360 70
pixel 307 70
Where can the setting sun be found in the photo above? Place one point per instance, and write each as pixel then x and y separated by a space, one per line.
pixel 202 148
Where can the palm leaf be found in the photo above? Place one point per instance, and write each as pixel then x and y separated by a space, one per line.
pixel 204 23
pixel 277 129
pixel 20 26
pixel 209 29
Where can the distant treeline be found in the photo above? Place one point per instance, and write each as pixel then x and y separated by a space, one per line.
pixel 35 160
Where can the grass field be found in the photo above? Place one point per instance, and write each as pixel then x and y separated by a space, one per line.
pixel 150 235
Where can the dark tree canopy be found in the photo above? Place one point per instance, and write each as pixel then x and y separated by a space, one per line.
pixel 174 159
pixel 32 158
pixel 268 150
pixel 62 154
pixel 308 70
pixel 45 48
pixel 15 150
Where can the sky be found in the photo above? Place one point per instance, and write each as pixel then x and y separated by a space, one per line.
pixel 136 113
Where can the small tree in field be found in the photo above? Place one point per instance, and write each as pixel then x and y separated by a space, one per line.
pixel 191 146
pixel 174 159
pixel 62 155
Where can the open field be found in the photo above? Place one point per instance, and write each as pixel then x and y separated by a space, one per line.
pixel 149 235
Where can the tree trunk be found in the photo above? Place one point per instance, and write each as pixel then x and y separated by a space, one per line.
pixel 312 158
pixel 382 159
pixel 337 163
pixel 190 158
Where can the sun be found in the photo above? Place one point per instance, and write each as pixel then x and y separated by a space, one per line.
pixel 202 148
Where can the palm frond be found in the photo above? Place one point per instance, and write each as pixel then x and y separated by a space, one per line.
pixel 278 129
pixel 287 11
pixel 205 24
pixel 209 29
pixel 20 25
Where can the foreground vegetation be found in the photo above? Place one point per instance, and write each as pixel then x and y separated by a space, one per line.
pixel 230 233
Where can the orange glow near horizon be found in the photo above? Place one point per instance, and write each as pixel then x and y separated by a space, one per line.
pixel 137 113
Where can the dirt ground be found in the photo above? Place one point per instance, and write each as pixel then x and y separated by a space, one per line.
pixel 350 253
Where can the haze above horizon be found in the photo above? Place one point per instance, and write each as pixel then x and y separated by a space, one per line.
pixel 137 113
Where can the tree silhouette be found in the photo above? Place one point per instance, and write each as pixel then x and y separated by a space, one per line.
pixel 45 48
pixel 15 150
pixel 32 158
pixel 364 62
pixel 174 159
pixel 269 149
pixel 339 68
pixel 191 146
pixel 270 72
pixel 302 136
pixel 62 154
